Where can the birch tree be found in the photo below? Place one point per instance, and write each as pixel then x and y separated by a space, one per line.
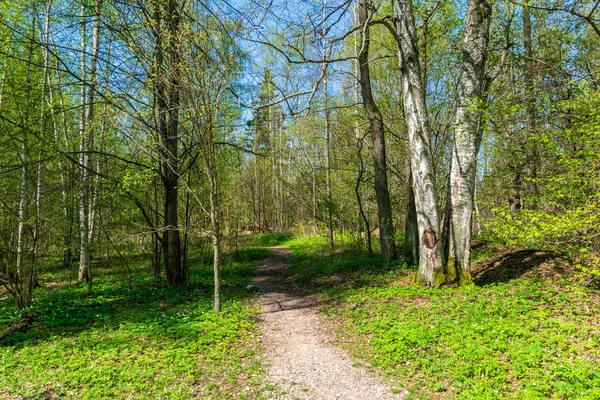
pixel 88 93
pixel 431 255
pixel 467 139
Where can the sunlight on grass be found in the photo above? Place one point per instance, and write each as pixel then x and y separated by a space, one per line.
pixel 523 339
pixel 138 342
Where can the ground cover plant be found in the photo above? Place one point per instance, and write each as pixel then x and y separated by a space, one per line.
pixel 146 128
pixel 525 335
pixel 138 341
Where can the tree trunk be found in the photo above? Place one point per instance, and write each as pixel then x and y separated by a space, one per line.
pixel 431 256
pixel 207 142
pixel 211 169
pixel 84 256
pixel 282 226
pixel 186 226
pixel 87 143
pixel 167 87
pixel 532 153
pixel 62 145
pixel 22 213
pixel 384 206
pixel 23 279
pixel 314 201
pixel 363 221
pixel 327 135
pixel 362 215
pixel 328 171
pixel 411 227
pixel 45 77
pixel 467 139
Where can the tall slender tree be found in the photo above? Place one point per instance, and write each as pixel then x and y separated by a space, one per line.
pixel 384 206
pixel 467 139
pixel 87 139
pixel 166 79
pixel 431 256
pixel 328 190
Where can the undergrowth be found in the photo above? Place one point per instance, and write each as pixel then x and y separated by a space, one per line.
pixel 270 239
pixel 525 338
pixel 138 341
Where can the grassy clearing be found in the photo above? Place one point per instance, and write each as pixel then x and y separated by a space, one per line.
pixel 522 337
pixel 270 239
pixel 136 342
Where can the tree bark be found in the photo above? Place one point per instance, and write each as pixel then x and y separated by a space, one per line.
pixel 62 145
pixel 532 153
pixel 329 207
pixel 467 139
pixel 87 143
pixel 22 281
pixel 23 195
pixel 362 220
pixel 84 255
pixel 431 256
pixel 411 227
pixel 210 163
pixel 328 193
pixel 167 89
pixel 384 206
pixel 314 200
pixel 174 246
pixel 45 77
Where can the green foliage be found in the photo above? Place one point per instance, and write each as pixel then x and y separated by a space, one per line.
pixel 504 341
pixel 523 339
pixel 312 266
pixel 272 239
pixel 138 342
pixel 568 215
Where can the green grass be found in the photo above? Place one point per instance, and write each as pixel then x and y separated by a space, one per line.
pixel 136 342
pixel 271 239
pixel 525 338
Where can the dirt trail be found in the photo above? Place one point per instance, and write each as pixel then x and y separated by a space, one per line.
pixel 303 363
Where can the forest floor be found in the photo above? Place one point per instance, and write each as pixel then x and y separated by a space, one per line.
pixel 133 339
pixel 302 361
pixel 528 329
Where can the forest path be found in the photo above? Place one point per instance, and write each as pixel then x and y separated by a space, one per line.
pixel 302 362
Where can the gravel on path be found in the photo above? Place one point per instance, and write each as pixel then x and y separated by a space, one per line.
pixel 302 362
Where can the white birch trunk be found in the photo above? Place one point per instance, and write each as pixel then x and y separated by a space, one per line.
pixel 431 255
pixel 45 77
pixel 84 254
pixel 467 139
pixel 87 138
pixel 210 165
pixel 22 212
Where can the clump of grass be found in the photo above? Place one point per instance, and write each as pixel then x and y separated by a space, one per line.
pixel 525 338
pixel 141 341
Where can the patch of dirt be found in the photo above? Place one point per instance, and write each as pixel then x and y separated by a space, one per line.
pixel 516 263
pixel 303 362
